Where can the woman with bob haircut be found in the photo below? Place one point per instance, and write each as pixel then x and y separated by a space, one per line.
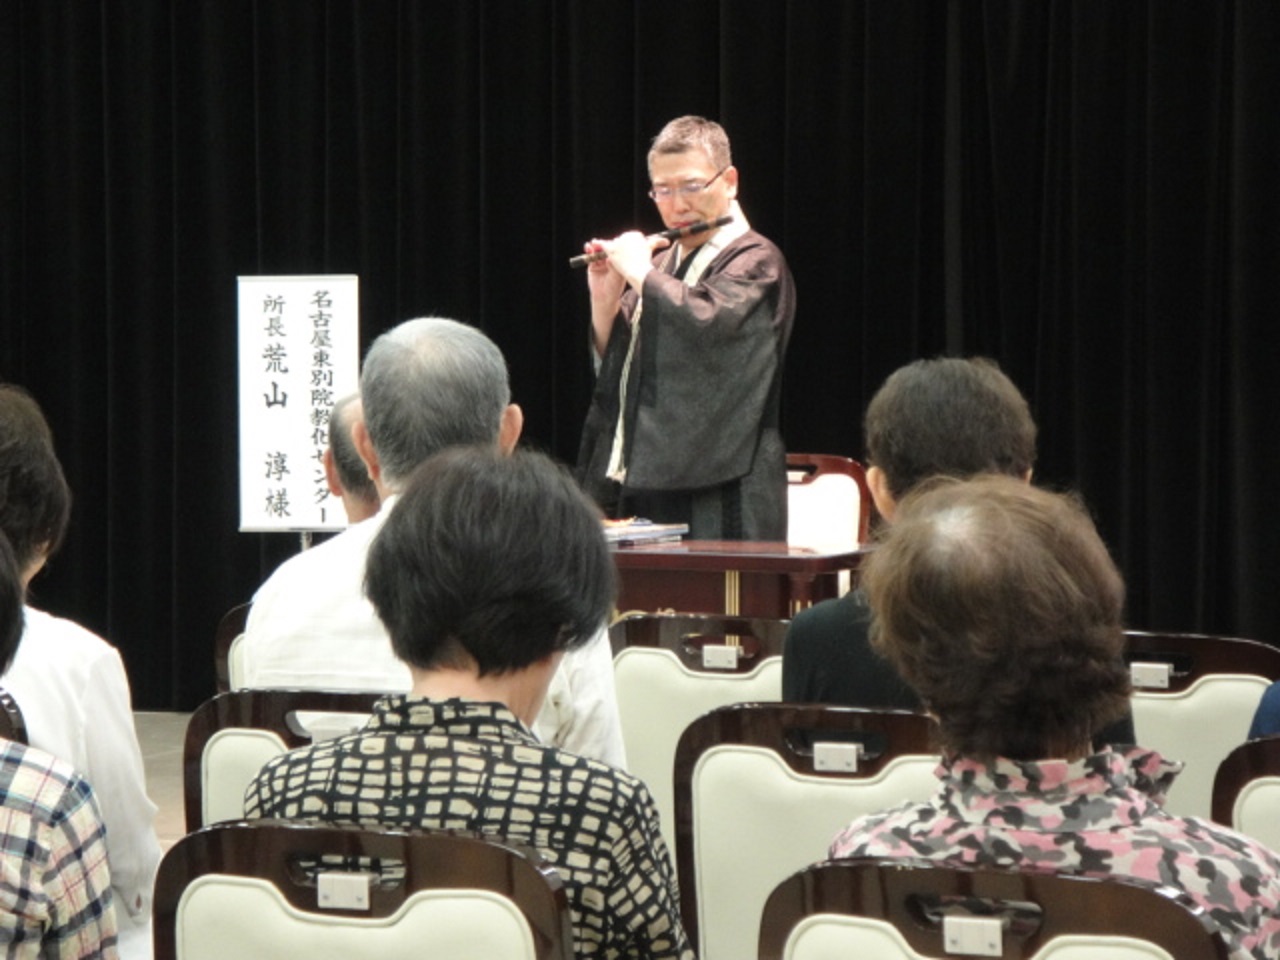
pixel 488 569
pixel 1000 605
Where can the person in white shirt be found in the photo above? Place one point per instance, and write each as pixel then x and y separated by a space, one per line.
pixel 70 683
pixel 425 385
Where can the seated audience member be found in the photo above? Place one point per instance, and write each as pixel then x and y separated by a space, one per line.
pixel 487 571
pixel 344 471
pixel 70 683
pixel 1000 606
pixel 944 417
pixel 426 385
pixel 55 886
pixel 1266 721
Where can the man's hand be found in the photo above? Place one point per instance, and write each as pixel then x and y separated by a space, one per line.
pixel 605 285
pixel 603 281
pixel 629 261
pixel 631 254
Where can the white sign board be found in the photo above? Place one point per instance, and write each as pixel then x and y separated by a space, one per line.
pixel 299 354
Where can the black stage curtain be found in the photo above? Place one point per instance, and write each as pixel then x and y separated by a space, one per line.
pixel 1085 191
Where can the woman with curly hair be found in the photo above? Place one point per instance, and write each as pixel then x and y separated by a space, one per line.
pixel 1000 605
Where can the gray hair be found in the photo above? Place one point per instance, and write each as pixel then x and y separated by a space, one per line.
pixel 429 384
pixel 684 134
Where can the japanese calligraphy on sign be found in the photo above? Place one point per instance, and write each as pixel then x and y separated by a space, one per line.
pixel 299 354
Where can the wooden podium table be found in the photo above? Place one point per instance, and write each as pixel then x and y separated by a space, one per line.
pixel 740 578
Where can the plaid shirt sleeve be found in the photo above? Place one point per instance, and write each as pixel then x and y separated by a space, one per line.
pixel 55 886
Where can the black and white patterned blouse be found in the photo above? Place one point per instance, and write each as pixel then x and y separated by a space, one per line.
pixel 458 764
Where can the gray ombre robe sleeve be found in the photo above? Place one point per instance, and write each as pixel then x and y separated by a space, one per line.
pixel 704 391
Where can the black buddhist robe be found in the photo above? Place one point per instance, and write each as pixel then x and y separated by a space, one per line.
pixel 702 444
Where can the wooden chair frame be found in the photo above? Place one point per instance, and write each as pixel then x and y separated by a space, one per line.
pixel 229 627
pixel 686 634
pixel 1194 655
pixel 269 710
pixel 816 464
pixel 1247 762
pixel 787 730
pixel 655 712
pixel 896 890
pixel 1205 736
pixel 12 725
pixel 433 859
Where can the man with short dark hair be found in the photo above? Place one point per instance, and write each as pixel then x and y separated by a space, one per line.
pixel 426 385
pixel 943 417
pixel 488 570
pixel 689 339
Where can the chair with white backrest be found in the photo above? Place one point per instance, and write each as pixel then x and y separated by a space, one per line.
pixel 913 910
pixel 763 788
pixel 1194 697
pixel 1246 791
pixel 828 502
pixel 272 890
pixel 671 668
pixel 228 644
pixel 233 735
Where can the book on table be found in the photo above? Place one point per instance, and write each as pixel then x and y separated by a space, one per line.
pixel 633 530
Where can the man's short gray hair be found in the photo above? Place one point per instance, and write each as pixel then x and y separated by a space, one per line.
pixel 693 133
pixel 429 384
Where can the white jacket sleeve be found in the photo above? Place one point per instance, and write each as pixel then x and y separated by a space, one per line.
pixel 115 771
pixel 580 714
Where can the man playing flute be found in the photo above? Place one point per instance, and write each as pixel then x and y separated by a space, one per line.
pixel 689 337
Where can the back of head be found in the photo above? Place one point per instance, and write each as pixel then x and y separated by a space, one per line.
pixel 353 475
pixel 429 384
pixel 999 603
pixel 684 134
pixel 495 559
pixel 35 501
pixel 951 417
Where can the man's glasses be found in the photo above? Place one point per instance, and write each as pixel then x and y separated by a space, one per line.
pixel 690 189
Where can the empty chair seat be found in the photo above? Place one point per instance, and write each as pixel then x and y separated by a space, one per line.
pixel 828 502
pixel 762 789
pixel 1193 699
pixel 670 669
